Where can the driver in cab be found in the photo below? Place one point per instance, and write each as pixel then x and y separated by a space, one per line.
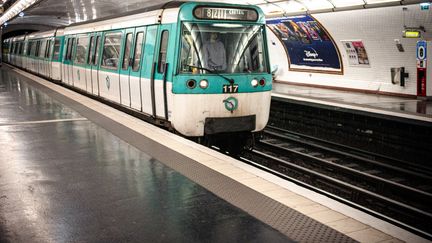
pixel 214 53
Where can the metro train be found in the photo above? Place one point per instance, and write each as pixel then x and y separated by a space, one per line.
pixel 199 69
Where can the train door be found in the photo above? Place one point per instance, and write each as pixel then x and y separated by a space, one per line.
pixel 147 71
pixel 67 60
pixel 79 62
pixel 135 68
pixel 88 70
pixel 160 74
pixel 48 55
pixel 130 70
pixel 94 62
pixel 108 74
pixel 56 59
pixel 125 88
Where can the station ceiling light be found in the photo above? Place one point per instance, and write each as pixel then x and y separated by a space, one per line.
pixel 15 9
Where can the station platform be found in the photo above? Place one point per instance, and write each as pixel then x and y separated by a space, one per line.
pixel 383 105
pixel 75 170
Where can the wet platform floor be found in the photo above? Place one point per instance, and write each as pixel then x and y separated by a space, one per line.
pixel 63 178
pixel 401 105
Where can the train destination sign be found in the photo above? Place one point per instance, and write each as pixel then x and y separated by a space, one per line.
pixel 226 13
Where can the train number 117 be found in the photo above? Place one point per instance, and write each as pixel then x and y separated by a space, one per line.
pixel 228 88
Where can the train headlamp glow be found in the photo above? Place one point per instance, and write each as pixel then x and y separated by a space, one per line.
pixel 254 82
pixel 203 84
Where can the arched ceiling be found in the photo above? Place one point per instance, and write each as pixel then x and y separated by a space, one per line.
pixel 57 13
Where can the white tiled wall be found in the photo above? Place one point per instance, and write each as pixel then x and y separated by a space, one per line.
pixel 377 28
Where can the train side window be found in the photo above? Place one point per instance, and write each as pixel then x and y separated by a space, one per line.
pixel 47 50
pixel 56 49
pixel 36 53
pixel 21 51
pixel 136 62
pixel 126 54
pixel 51 48
pixel 111 50
pixel 163 51
pixel 42 48
pixel 95 59
pixel 74 47
pixel 90 50
pixel 29 46
pixel 81 50
pixel 68 49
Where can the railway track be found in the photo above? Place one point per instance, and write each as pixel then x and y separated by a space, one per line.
pixel 393 190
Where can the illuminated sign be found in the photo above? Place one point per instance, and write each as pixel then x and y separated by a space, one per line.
pixel 226 13
pixel 411 34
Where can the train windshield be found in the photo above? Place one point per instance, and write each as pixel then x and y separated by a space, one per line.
pixel 222 48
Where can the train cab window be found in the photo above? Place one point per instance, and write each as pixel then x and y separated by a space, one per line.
pixel 136 62
pixel 227 48
pixel 56 49
pixel 111 50
pixel 81 50
pixel 163 52
pixel 126 54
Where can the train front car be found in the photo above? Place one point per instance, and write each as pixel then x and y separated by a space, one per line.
pixel 222 85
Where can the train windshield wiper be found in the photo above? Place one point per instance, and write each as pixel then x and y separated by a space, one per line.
pixel 213 71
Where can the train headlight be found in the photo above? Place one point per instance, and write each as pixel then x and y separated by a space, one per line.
pixel 254 82
pixel 203 84
pixel 262 82
pixel 191 83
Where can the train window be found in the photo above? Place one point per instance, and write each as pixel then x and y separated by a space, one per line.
pixel 111 50
pixel 90 49
pixel 32 48
pixel 136 62
pixel 47 50
pixel 81 50
pixel 29 46
pixel 95 58
pixel 42 48
pixel 56 49
pixel 15 47
pixel 68 50
pixel 163 51
pixel 227 48
pixel 126 54
pixel 21 51
pixel 51 48
pixel 36 53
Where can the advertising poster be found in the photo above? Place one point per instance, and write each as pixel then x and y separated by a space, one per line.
pixel 356 53
pixel 308 45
